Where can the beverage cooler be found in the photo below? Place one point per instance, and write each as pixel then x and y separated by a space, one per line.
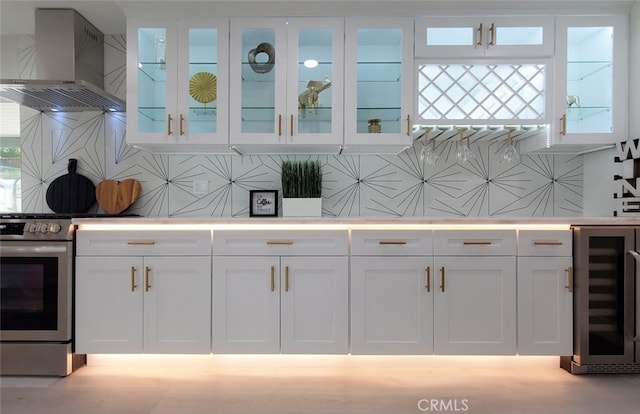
pixel 606 300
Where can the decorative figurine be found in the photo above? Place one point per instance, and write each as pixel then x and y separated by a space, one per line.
pixel 573 100
pixel 309 98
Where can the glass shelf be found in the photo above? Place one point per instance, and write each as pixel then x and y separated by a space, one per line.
pixel 580 70
pixel 155 71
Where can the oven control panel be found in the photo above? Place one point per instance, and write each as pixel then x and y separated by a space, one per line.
pixel 36 229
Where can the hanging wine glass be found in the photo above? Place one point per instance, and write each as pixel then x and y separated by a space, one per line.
pixel 431 156
pixel 510 155
pixel 464 150
pixel 425 134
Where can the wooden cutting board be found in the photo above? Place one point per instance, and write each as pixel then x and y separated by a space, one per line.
pixel 116 196
pixel 72 192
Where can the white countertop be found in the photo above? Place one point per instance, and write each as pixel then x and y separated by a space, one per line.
pixel 360 222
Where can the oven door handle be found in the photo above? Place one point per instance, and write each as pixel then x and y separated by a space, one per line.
pixel 5 250
pixel 636 257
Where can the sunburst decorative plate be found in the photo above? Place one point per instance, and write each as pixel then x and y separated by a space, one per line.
pixel 203 87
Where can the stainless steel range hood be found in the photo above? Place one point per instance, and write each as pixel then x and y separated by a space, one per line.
pixel 69 55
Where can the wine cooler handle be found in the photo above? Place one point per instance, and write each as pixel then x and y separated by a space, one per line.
pixel 636 257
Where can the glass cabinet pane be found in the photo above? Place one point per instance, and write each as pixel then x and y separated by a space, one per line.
pixel 152 80
pixel 203 80
pixel 589 79
pixel 258 89
pixel 450 36
pixel 315 72
pixel 514 36
pixel 379 85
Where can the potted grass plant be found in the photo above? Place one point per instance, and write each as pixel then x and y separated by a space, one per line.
pixel 301 188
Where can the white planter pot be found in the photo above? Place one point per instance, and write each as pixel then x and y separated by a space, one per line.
pixel 301 207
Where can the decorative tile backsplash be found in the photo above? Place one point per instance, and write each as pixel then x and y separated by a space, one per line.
pixel 354 186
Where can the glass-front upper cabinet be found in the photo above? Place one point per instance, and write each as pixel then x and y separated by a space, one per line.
pixel 177 83
pixel 517 36
pixel 591 80
pixel 288 78
pixel 378 75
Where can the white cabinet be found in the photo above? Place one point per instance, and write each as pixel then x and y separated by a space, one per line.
pixel 591 84
pixel 280 291
pixel 288 78
pixel 477 36
pixel 545 293
pixel 475 296
pixel 177 84
pixel 379 85
pixel 127 302
pixel 392 292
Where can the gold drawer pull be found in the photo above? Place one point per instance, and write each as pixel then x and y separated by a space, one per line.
pixel 393 242
pixel 548 243
pixel 146 278
pixel 286 279
pixel 428 274
pixel 476 243
pixel 279 242
pixel 133 279
pixel 569 285
pixel 273 278
pixel 141 243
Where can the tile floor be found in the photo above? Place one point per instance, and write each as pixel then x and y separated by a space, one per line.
pixel 320 384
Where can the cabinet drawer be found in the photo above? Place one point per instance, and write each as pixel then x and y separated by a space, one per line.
pixel 545 243
pixel 143 243
pixel 280 243
pixel 475 242
pixel 392 242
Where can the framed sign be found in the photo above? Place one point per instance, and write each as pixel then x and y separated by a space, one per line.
pixel 263 203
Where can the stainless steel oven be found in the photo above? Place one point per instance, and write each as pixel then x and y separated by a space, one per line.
pixel 36 296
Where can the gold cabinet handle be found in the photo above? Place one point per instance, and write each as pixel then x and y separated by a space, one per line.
pixel 133 279
pixel 273 278
pixel 547 243
pixel 279 242
pixel 291 125
pixel 395 242
pixel 428 275
pixel 280 125
pixel 147 270
pixel 476 243
pixel 141 243
pixel 286 278
pixel 181 124
pixel 569 285
pixel 492 34
pixel 563 125
pixel 169 119
pixel 479 30
pixel 408 125
pixel 442 279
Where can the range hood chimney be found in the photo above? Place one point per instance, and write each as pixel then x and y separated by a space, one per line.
pixel 69 55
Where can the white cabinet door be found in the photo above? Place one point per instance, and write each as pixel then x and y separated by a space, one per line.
pixel 475 305
pixel 315 305
pixel 177 304
pixel 284 102
pixel 177 83
pixel 545 306
pixel 591 84
pixel 516 36
pixel 246 304
pixel 108 305
pixel 379 80
pixel 392 305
